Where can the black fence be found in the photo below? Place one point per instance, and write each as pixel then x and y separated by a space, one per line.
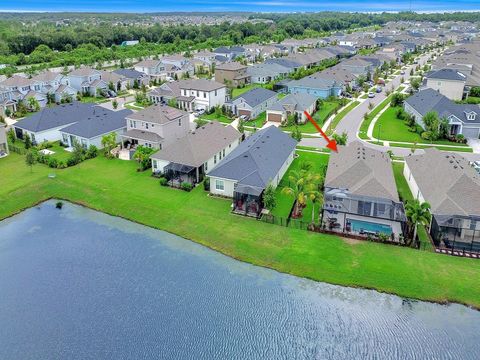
pixel 458 239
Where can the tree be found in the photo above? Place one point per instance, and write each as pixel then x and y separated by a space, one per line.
pixel 432 124
pixel 11 136
pixel 269 200
pixel 30 160
pixel 296 133
pixel 418 213
pixel 109 141
pixel 28 141
pixel 115 104
pixel 397 99
pixel 415 82
pixel 340 139
pixel 314 195
pixel 240 126
pixel 142 155
pixel 295 189
pixel 33 104
pixel 77 152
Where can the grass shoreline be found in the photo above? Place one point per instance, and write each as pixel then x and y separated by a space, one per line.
pixel 115 188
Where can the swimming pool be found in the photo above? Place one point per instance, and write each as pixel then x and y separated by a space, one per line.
pixel 366 226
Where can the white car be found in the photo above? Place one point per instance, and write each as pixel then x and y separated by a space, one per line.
pixel 371 95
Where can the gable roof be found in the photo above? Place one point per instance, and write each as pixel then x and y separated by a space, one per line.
pixel 83 71
pixel 362 171
pixel 299 102
pixel 231 66
pixel 16 80
pixel 431 100
pixel 129 73
pixel 200 84
pixel 158 114
pixel 198 146
pixel 256 96
pixel 46 76
pixel 447 182
pixel 257 160
pixel 313 82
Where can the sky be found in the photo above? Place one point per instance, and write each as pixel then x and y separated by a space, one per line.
pixel 236 5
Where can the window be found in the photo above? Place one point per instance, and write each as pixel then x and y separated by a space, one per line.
pixel 205 166
pixel 146 125
pixel 439 83
pixel 84 143
pixel 204 94
pixel 220 155
pixel 198 93
pixel 65 138
pixel 223 152
pixel 219 185
pixel 471 116
pixel 215 92
pixel 215 159
pixel 179 122
pixel 154 163
pixel 364 208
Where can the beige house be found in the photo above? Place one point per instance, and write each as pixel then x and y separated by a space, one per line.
pixel 448 82
pixel 155 126
pixel 232 74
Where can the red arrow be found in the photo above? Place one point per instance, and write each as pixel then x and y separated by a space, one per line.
pixel 331 144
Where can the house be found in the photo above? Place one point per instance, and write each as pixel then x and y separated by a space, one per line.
pixel 87 81
pixel 191 157
pixel 91 129
pixel 360 195
pixel 47 124
pixel 118 82
pixel 131 76
pixel 448 82
pixel 18 88
pixel 267 72
pixel 341 76
pixel 232 73
pixel 292 104
pixel 201 94
pixel 253 102
pixel 8 104
pixel 3 140
pixel 53 83
pixel 313 85
pixel 262 159
pixel 151 68
pixel 462 118
pixel 155 126
pixel 454 197
pixel 230 53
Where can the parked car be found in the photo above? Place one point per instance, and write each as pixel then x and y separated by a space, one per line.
pixel 402 72
pixel 378 89
pixel 476 165
pixel 111 93
pixel 371 95
pixel 244 117
pixel 201 111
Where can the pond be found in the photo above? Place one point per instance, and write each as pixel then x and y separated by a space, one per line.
pixel 78 284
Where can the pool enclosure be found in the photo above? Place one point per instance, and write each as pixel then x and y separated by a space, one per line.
pixel 362 215
pixel 456 232
pixel 247 200
pixel 176 174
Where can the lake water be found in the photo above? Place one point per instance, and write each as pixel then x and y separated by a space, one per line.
pixel 78 284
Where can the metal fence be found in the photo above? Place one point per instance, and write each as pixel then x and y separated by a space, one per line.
pixel 456 237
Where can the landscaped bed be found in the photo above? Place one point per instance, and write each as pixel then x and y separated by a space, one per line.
pixel 389 128
pixel 116 188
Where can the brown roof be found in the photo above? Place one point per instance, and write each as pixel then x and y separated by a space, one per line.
pixel 159 114
pixel 200 145
pixel 16 80
pixel 201 84
pixel 231 66
pixel 83 71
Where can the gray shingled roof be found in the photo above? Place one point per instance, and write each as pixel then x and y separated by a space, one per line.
pixel 431 100
pixel 447 74
pixel 197 147
pixel 256 96
pixel 103 122
pixel 447 182
pixel 313 82
pixel 362 171
pixel 257 160
pixel 129 73
pixel 57 116
pixel 158 114
pixel 299 102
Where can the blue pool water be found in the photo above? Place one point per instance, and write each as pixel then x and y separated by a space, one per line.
pixel 359 225
pixel 78 284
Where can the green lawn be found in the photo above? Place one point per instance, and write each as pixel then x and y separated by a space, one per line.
pixel 362 132
pixel 116 188
pixel 258 122
pixel 240 91
pixel 340 116
pixel 320 116
pixel 93 99
pixel 60 153
pixel 425 146
pixel 389 128
pixel 213 117
pixel 406 195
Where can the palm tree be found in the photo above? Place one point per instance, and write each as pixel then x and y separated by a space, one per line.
pixel 418 213
pixel 315 196
pixel 295 189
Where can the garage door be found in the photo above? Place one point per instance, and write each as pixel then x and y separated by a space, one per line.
pixel 274 117
pixel 244 112
pixel 470 133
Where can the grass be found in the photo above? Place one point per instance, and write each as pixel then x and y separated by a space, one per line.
pixel 93 99
pixel 439 147
pixel 240 91
pixel 362 132
pixel 258 122
pixel 311 148
pixel 393 129
pixel 213 117
pixel 320 116
pixel 336 120
pixel 116 188
pixel 60 153
pixel 406 195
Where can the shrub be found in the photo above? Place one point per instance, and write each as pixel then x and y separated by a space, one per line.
pixel 163 181
pixel 72 161
pixel 59 205
pixel 400 114
pixel 92 152
pixel 186 186
pixel 52 162
pixel 460 139
pixel 206 184
pixel 426 135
